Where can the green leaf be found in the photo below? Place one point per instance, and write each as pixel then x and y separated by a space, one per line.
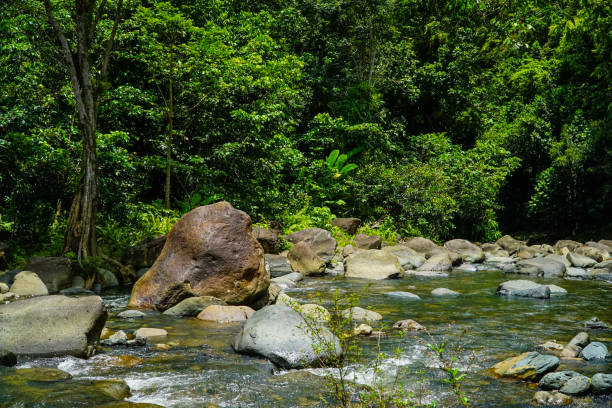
pixel 331 159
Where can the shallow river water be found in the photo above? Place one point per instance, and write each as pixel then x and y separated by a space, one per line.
pixel 201 367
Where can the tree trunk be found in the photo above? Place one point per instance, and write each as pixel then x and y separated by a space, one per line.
pixel 169 141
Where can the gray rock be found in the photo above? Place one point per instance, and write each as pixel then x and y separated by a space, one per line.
pixel 509 244
pixel 348 225
pixel 428 274
pixel 580 261
pixel 373 264
pixel 575 346
pixel 603 265
pixel 76 291
pixel 421 245
pixel 597 254
pixel 28 284
pixel 559 258
pixel 556 380
pixel 284 283
pixel 77 282
pixel 551 398
pixel 107 279
pixel 524 288
pixel 467 251
pixel 321 241
pixel 131 314
pixel 303 258
pixel 364 241
pixel 595 323
pixel 602 383
pixel 117 339
pixel 444 292
pixel 403 295
pixel 577 385
pixel 52 325
pixel 279 333
pixel 293 276
pixel 277 265
pixel 407 257
pixel 576 273
pixel 360 314
pixel 335 269
pixel 556 290
pixel 439 262
pixel 193 306
pixel 601 274
pixel 527 366
pixel 595 351
pixel 408 324
pixel 566 243
pixel 55 272
pixel 466 268
pixel 3 288
pixel 543 267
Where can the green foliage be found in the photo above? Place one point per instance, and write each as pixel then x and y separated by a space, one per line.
pixel 307 217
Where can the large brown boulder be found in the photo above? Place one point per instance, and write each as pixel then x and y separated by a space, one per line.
pixel 510 244
pixel 303 259
pixel 348 225
pixel 321 241
pixel 210 251
pixel 465 249
pixel 421 245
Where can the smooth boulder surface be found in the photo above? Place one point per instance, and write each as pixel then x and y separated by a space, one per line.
pixel 348 225
pixel 576 273
pixel 277 265
pixel 28 284
pixel 439 262
pixel 107 279
pixel 226 314
pixel 597 254
pixel 280 334
pixel 577 385
pixel 210 251
pixel 444 292
pixel 364 241
pixel 580 261
pixel 403 295
pixel 556 290
pixel 407 257
pixel 523 288
pixel 510 244
pixel 360 314
pixel 303 258
pixel 421 245
pixel 595 351
pixel 150 332
pixel 408 324
pixel 55 272
pixel 602 383
pixel 373 264
pixel 575 346
pixel 529 366
pixel 269 238
pixel 321 241
pixel 556 380
pixel 193 306
pixel 551 398
pixel 542 267
pixel 466 250
pixel 53 325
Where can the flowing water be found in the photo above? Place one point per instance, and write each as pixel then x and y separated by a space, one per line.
pixel 483 328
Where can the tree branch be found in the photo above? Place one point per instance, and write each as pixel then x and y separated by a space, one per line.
pixel 109 44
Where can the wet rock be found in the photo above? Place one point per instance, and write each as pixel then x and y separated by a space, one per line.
pixel 560 258
pixel 403 295
pixel 7 358
pixel 408 325
pixel 576 273
pixel 362 330
pixel 279 333
pixel 303 259
pixel 118 339
pixel 421 245
pixel 524 288
pixel 467 251
pixel 52 325
pixel 601 274
pixel 602 383
pixel 556 290
pixel 575 346
pixel 107 279
pixel 28 284
pixel 550 346
pixel 439 262
pixel 149 332
pixel 444 292
pixel 509 244
pixel 55 272
pixel 277 265
pixel 269 239
pixel 529 366
pixel 551 398
pixel 580 261
pixel 595 323
pixel 466 268
pixel 348 225
pixel 144 254
pixel 76 291
pixel 284 299
pixel 603 265
pixel 193 306
pixel 364 241
pixel 360 314
pixel 577 385
pixel 314 312
pixel 595 351
pixel 428 274
pixel 131 314
pixel 226 314
pixel 335 269
pixel 373 264
pixel 542 267
pixel 210 251
pixel 557 379
pixel 321 241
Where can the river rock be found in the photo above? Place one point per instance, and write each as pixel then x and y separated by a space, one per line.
pixel 362 330
pixel 76 291
pixel 575 273
pixel 560 258
pixel 466 268
pixel 117 339
pixel 524 288
pixel 525 252
pixel 440 262
pixel 598 245
pixel 150 332
pixel 595 323
pixel 509 244
pixel 193 306
pixel 321 241
pixel 107 279
pixel 557 379
pixel 444 292
pixel 575 346
pixel 594 253
pixel 268 238
pixel 226 314
pixel 52 325
pixel 407 257
pixel 373 264
pixel 277 265
pixel 602 383
pixel 360 314
pixel 364 241
pixel 601 274
pixel 303 259
pixel 556 290
pixel 466 250
pixel 314 312
pixel 551 398
pixel 55 272
pixel 528 366
pixel 550 346
pixel 421 245
pixel 580 261
pixel 542 267
pixel 348 225
pixel 280 334
pixel 144 254
pixel 210 251
pixel 408 325
pixel 403 295
pixel 3 288
pixel 603 265
pixel 577 385
pixel 595 351
pixel 28 284
pixel 131 314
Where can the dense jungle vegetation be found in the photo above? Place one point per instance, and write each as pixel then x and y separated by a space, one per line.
pixel 422 117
